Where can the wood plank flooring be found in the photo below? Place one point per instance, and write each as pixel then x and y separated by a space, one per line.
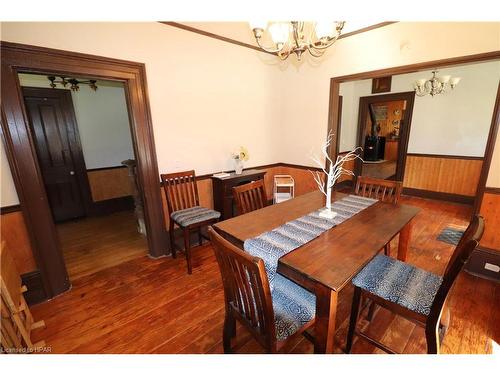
pixel 147 305
pixel 96 243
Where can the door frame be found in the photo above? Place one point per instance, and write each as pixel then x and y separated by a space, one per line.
pixel 404 135
pixel 21 154
pixel 75 144
pixel 333 118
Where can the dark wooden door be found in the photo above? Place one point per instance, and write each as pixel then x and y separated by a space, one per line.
pixel 58 148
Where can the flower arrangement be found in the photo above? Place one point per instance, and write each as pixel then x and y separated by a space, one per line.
pixel 335 170
pixel 239 157
pixel 242 155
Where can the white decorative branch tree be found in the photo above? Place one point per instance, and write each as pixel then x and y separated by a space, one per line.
pixel 335 170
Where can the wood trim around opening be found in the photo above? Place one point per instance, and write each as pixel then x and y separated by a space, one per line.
pixel 24 164
pixel 488 153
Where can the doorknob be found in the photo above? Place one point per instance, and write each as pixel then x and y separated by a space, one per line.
pixel 72 172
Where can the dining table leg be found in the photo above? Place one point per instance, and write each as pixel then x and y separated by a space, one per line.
pixel 324 326
pixel 404 241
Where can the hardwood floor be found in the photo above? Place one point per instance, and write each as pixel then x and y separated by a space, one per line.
pixel 95 243
pixel 381 170
pixel 152 306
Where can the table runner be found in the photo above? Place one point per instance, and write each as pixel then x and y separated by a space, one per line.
pixel 272 245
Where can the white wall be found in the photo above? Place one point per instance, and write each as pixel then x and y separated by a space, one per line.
pixel 455 123
pixel 305 87
pixel 8 194
pixel 102 120
pixel 207 97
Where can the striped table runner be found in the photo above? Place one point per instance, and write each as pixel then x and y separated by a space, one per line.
pixel 272 245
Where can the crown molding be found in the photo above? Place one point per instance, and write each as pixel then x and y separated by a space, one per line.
pixel 256 48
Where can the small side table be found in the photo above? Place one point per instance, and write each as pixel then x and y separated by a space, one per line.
pixel 284 188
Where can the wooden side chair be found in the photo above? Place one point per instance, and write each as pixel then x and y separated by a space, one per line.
pixel 250 197
pixel 17 321
pixel 383 190
pixel 184 209
pixel 411 292
pixel 273 317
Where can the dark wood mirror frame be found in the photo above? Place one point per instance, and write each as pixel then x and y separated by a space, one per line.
pixel 23 161
pixel 334 106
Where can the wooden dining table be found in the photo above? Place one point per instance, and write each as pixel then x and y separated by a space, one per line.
pixel 327 264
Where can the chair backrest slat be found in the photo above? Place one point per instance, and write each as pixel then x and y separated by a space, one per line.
pixel 246 288
pixel 180 190
pixel 383 190
pixel 250 197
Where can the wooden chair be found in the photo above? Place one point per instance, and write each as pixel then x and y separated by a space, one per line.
pixel 250 197
pixel 17 321
pixel 273 317
pixel 382 190
pixel 413 293
pixel 184 209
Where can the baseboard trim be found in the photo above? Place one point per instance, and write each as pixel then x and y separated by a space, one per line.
pixel 479 258
pixel 109 206
pixel 492 190
pixel 456 198
pixel 35 293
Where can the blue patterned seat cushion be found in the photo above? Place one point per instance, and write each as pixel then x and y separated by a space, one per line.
pixel 193 215
pixel 398 282
pixel 293 307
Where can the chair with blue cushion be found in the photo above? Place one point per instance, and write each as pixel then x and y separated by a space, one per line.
pixel 273 317
pixel 411 292
pixel 183 204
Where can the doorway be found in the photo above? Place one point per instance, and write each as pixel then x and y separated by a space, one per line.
pixel 383 132
pixel 21 153
pixel 85 151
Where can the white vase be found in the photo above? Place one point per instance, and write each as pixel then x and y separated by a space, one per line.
pixel 238 168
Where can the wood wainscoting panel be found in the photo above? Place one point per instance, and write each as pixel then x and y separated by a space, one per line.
pixel 349 165
pixel 490 210
pixel 304 180
pixel 443 174
pixel 109 183
pixel 15 235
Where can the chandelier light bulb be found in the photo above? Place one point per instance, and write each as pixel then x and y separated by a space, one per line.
pixel 324 29
pixel 454 81
pixel 257 24
pixel 280 32
pixel 445 79
pixel 421 82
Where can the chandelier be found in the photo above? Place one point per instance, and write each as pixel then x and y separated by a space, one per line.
pixel 297 37
pixel 435 85
pixel 74 83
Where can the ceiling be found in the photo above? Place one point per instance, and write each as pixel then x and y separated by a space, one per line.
pixel 241 31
